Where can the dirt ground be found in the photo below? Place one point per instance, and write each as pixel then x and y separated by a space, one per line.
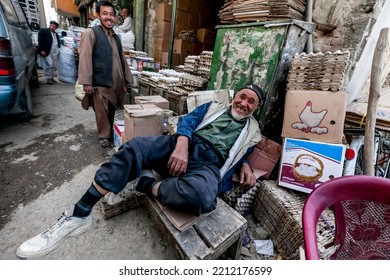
pixel 46 166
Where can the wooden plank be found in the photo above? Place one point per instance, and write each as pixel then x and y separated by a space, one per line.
pixel 188 243
pixel 213 235
pixel 220 225
pixel 222 229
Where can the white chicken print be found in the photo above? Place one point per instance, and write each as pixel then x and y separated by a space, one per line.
pixel 310 120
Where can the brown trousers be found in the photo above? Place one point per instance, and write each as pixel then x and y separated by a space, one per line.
pixel 104 115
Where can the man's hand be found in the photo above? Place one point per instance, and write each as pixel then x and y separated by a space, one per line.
pixel 178 161
pixel 247 178
pixel 43 53
pixel 88 89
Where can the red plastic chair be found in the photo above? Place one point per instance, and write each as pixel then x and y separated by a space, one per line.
pixel 361 207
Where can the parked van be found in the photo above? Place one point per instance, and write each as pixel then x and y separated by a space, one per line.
pixel 18 68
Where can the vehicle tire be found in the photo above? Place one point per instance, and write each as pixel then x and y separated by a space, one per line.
pixel 28 114
pixel 34 81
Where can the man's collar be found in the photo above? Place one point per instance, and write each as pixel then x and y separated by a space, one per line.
pixel 106 30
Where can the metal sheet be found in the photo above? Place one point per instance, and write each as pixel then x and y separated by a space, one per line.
pixel 259 53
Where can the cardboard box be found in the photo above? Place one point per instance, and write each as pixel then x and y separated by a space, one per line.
pixel 124 139
pixel 315 115
pixel 306 164
pixel 183 47
pixel 195 7
pixel 198 48
pixel 179 28
pixel 164 59
pixel 184 5
pixel 162 43
pixel 119 128
pixel 182 18
pixel 158 55
pixel 192 21
pixel 263 158
pixel 163 29
pixel 206 36
pixel 204 13
pixel 143 120
pixel 164 12
pixel 157 100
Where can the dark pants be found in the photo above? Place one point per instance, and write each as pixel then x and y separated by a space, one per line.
pixel 195 192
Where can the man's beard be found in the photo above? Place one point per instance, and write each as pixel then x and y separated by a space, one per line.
pixel 239 117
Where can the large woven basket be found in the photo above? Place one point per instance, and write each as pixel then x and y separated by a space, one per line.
pixel 279 211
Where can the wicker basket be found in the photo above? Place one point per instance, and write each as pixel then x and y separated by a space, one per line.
pixel 279 210
pixel 310 161
pixel 131 202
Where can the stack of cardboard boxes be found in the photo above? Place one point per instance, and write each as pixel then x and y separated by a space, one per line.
pixel 145 118
pixel 190 15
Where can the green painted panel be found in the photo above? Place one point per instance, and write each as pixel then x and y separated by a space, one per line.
pixel 248 54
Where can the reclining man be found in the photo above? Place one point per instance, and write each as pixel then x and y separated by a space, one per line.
pixel 196 164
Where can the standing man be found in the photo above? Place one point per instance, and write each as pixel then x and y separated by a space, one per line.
pixel 103 71
pixel 128 21
pixel 48 50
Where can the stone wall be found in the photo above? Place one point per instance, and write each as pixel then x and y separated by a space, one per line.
pixel 344 25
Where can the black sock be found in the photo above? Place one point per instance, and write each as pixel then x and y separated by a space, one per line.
pixel 84 206
pixel 145 185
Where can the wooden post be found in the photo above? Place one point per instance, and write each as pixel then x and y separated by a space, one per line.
pixel 373 99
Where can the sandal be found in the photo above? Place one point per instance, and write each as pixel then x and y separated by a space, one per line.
pixel 104 142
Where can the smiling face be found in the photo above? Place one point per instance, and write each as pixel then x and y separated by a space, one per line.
pixel 107 16
pixel 244 103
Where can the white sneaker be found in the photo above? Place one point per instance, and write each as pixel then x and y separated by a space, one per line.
pixel 47 241
pixel 128 191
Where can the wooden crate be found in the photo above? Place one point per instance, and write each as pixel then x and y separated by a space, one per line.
pixel 143 88
pixel 154 90
pixel 220 231
pixel 177 103
pixel 133 93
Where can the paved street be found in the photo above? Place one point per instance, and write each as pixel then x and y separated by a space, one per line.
pixel 46 165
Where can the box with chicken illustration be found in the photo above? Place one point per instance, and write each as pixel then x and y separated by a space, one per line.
pixel 306 164
pixel 315 115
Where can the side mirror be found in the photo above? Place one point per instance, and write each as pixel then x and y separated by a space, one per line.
pixel 35 26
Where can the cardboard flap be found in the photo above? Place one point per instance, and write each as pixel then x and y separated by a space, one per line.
pixel 142 110
pixel 182 220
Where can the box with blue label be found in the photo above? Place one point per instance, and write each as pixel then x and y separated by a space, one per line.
pixel 119 128
pixel 306 164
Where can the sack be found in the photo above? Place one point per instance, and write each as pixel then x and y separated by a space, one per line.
pixel 79 91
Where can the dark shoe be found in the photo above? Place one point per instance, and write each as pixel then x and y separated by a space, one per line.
pixel 145 184
pixel 104 142
pixel 49 81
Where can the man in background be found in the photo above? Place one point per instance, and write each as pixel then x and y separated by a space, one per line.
pixel 128 21
pixel 48 50
pixel 103 71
